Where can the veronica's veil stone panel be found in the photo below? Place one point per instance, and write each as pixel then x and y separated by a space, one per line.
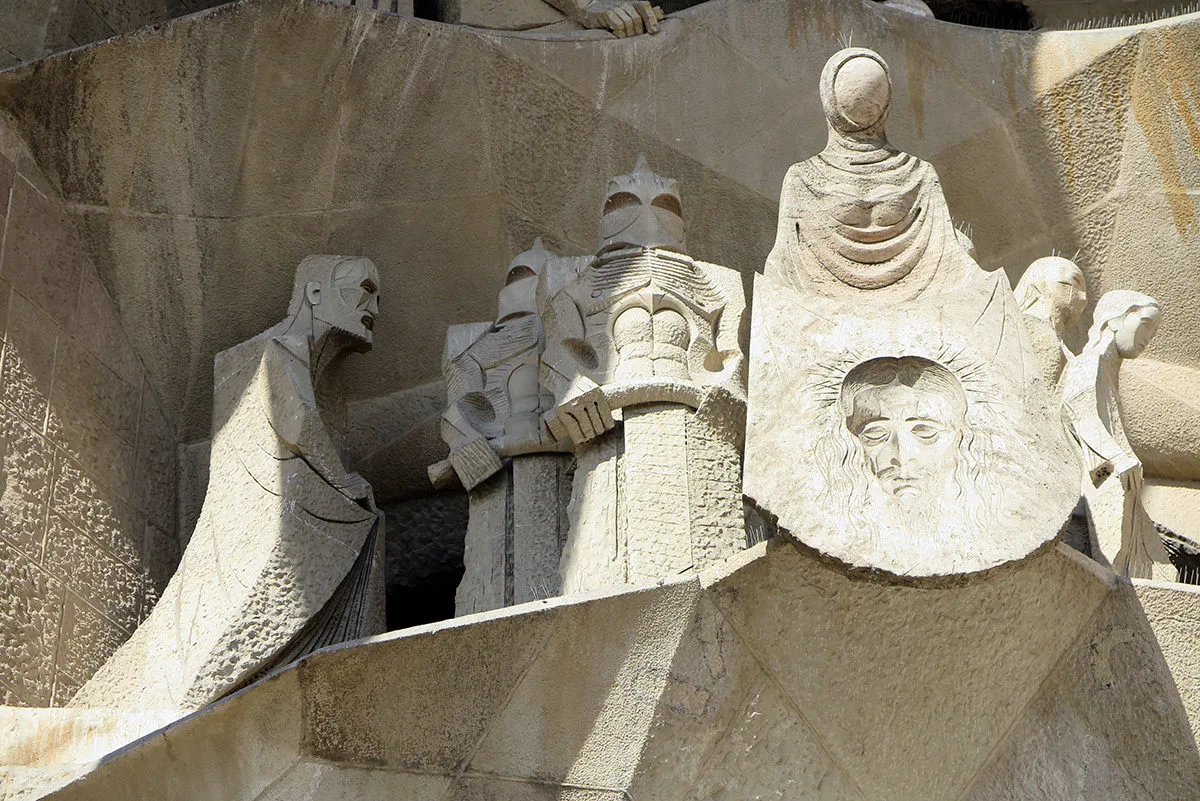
pixel 898 420
pixel 287 556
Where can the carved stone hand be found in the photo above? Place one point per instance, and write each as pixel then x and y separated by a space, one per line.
pixel 623 17
pixel 583 417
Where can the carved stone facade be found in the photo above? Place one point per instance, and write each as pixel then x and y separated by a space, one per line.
pixel 884 536
pixel 633 362
pixel 87 455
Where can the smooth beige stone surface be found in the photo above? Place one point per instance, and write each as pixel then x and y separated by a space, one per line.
pixel 1174 613
pixel 34 737
pixel 1175 505
pixel 315 781
pixel 233 754
pixel 774 673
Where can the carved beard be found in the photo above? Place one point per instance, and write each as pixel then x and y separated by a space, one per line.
pixel 928 526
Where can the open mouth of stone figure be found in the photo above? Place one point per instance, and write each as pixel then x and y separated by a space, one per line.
pixel 368 322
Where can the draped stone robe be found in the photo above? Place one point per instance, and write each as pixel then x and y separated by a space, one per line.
pixel 286 557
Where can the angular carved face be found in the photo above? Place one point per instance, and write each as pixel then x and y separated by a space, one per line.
pixel 910 438
pixel 353 302
pixel 1066 292
pixel 908 415
pixel 1136 329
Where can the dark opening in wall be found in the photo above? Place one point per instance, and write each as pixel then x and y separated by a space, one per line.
pixel 424 557
pixel 1003 14
pixel 426 9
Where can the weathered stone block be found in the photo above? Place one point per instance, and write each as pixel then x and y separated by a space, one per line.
pixel 8 174
pixel 27 458
pixel 311 781
pixel 100 390
pixel 23 523
pixel 99 328
pixel 95 445
pixel 92 508
pixel 100 578
pixel 5 293
pixel 88 638
pixel 42 255
pixel 154 478
pixel 30 604
pixel 161 558
pixel 28 368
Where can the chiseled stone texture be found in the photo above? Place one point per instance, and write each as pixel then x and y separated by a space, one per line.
pixel 87 498
pixel 775 675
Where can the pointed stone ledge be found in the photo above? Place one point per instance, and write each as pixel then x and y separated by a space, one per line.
pixel 774 668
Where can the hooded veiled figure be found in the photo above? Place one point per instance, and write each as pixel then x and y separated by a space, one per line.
pixel 287 555
pixel 1122 532
pixel 861 213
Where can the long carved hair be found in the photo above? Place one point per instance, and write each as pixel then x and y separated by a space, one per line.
pixel 853 491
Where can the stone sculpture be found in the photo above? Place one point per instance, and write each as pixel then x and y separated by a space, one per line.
pixel 622 17
pixel 647 368
pixel 495 404
pixel 882 346
pixel 1122 532
pixel 1052 294
pixel 288 554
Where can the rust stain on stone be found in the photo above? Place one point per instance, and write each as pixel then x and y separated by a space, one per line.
pixel 918 71
pixel 1009 65
pixel 1166 79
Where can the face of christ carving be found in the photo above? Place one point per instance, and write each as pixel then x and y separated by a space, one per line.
pixel 908 417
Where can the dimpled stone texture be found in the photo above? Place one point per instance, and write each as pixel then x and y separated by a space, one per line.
pixel 88 639
pixel 95 509
pixel 30 606
pixel 28 361
pixel 95 445
pixel 26 457
pixel 96 575
pixel 22 523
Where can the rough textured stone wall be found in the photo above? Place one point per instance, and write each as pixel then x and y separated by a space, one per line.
pixel 87 483
pixel 31 29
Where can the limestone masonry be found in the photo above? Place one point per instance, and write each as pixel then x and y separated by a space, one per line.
pixel 713 401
